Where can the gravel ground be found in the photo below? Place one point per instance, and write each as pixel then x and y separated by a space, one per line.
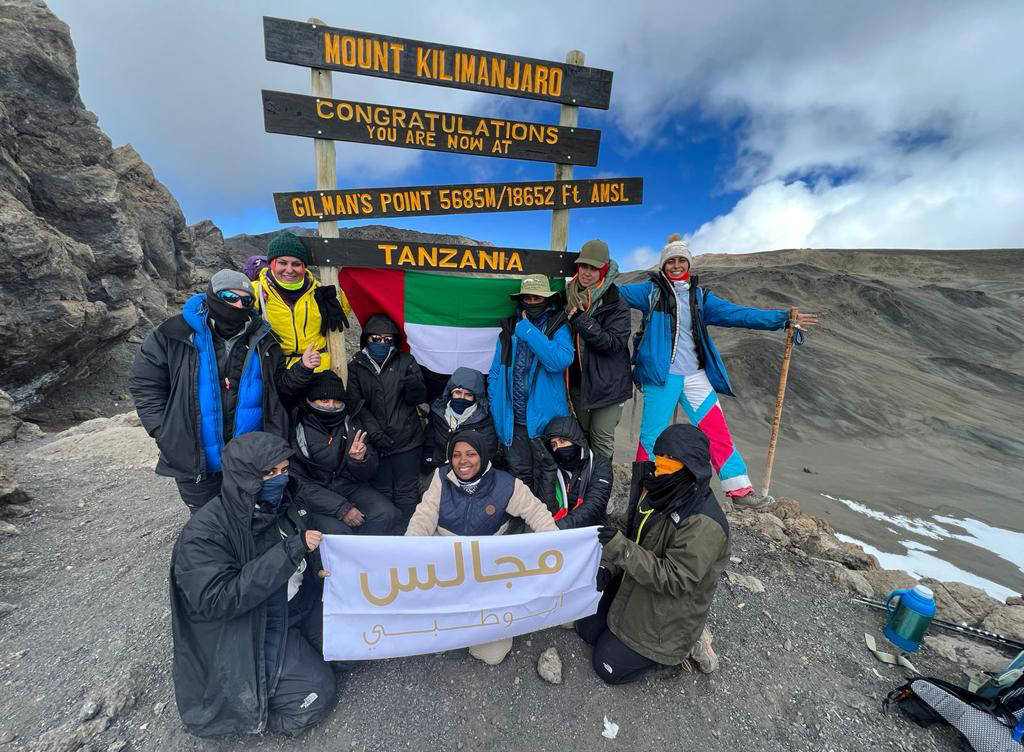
pixel 85 655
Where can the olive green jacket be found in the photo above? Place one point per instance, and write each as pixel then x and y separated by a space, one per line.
pixel 668 580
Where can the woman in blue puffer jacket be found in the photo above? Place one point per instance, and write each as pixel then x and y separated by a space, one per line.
pixel 675 360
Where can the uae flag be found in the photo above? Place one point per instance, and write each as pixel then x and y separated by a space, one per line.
pixel 449 319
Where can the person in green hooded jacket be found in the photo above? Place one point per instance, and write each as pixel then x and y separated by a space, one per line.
pixel 659 576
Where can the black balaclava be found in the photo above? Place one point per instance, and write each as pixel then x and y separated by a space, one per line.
pixel 567 458
pixel 475 440
pixel 326 385
pixel 229 320
pixel 534 310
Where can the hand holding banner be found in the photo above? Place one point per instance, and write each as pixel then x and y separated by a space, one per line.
pixel 396 596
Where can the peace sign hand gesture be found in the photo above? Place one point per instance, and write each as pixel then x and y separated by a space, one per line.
pixel 358 449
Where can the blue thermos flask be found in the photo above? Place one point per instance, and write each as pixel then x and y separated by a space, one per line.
pixel 909 620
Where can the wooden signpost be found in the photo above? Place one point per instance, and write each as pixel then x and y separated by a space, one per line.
pixel 403 254
pixel 317 46
pixel 465 198
pixel 368 123
pixel 324 119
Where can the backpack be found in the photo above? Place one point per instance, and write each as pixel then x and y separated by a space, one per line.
pixel 989 724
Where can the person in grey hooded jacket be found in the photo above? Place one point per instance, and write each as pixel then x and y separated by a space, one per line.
pixel 463 406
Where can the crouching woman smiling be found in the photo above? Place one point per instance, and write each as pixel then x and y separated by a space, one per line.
pixel 469 496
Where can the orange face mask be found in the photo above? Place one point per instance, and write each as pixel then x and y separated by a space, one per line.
pixel 666 465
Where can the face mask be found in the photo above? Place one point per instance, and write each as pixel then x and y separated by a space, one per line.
pixel 662 489
pixel 459 405
pixel 566 456
pixel 329 416
pixel 272 490
pixel 228 319
pixel 535 309
pixel 379 351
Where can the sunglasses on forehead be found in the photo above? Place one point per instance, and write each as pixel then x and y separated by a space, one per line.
pixel 230 296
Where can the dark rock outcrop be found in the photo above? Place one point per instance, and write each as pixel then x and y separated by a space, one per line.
pixel 91 239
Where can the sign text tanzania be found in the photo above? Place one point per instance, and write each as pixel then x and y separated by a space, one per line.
pixel 368 54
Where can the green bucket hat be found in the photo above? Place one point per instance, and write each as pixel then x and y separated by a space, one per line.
pixel 594 253
pixel 287 244
pixel 535 284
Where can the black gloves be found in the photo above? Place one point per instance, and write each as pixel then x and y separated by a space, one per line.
pixel 604 576
pixel 605 534
pixel 381 440
pixel 332 315
pixel 564 523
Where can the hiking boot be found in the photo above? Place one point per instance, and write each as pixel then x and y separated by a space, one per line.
pixel 753 500
pixel 703 654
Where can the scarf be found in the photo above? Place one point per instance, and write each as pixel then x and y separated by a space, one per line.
pixel 575 293
pixel 289 292
pixel 455 419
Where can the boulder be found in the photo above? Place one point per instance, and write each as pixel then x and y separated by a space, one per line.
pixel 961 603
pixel 850 579
pixel 10 492
pixel 10 424
pixel 1007 621
pixel 765 523
pixel 884 581
pixel 826 546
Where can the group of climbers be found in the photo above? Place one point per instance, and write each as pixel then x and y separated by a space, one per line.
pixel 270 450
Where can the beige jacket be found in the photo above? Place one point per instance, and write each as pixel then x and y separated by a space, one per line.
pixel 522 504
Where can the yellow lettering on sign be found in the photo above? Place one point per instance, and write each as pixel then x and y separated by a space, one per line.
pixel 387 248
pixel 489 258
pixel 423 62
pixel 331 48
pixel 555 85
pixel 351 203
pixel 380 55
pixel 398 117
pixel 396 51
pixel 366 203
pixel 551 136
pixel 406 257
pixel 483 73
pixel 515 263
pixel 527 83
pixel 446 258
pixel 513 82
pixel 428 258
pixel 467 260
pixel 297 209
pixel 542 79
pixel 465 68
pixel 321 112
pixel 344 111
pixel 327 201
pixel 497 71
pixel 348 51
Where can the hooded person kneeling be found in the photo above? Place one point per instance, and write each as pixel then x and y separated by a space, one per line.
pixel 662 574
pixel 469 496
pixel 583 478
pixel 245 603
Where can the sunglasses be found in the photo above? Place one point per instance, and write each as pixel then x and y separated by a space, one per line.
pixel 381 339
pixel 230 296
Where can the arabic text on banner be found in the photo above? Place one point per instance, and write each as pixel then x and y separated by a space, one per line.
pixel 394 596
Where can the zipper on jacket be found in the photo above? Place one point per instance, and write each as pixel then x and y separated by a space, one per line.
pixel 194 381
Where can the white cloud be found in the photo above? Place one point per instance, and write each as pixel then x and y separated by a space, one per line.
pixel 642 257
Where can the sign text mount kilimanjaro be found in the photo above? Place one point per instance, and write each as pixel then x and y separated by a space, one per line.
pixel 383 56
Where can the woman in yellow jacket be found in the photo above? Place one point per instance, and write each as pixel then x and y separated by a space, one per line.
pixel 298 308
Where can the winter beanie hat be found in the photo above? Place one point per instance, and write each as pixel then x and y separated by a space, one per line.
pixel 326 385
pixel 229 279
pixel 676 247
pixel 287 244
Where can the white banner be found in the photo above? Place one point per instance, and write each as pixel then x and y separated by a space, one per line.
pixel 391 596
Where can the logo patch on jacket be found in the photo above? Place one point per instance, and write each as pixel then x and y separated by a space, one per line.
pixel 489 509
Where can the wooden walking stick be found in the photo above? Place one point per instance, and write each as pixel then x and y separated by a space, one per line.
pixel 787 354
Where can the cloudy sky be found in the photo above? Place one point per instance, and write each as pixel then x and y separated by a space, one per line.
pixel 755 125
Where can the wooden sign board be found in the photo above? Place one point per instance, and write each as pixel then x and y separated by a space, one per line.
pixel 464 198
pixel 314 46
pixel 399 254
pixel 385 125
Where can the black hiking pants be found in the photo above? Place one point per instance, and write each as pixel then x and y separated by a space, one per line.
pixel 398 479
pixel 613 660
pixel 531 463
pixel 195 494
pixel 380 516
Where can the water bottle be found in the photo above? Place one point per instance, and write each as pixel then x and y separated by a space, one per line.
pixel 909 620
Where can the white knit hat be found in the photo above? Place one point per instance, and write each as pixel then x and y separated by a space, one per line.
pixel 676 247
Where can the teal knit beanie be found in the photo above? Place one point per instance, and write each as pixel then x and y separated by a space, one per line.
pixel 287 244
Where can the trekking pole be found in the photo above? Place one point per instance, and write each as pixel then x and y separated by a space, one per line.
pixel 981 634
pixel 787 354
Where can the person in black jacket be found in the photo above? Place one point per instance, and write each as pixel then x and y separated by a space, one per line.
pixel 462 406
pixel 583 480
pixel 600 377
pixel 389 384
pixel 210 373
pixel 334 457
pixel 245 596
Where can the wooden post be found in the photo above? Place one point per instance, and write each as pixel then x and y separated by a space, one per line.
pixel 327 180
pixel 779 397
pixel 569 117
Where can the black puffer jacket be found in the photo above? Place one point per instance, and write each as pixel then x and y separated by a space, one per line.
pixel 601 343
pixel 164 384
pixel 587 486
pixel 226 582
pixel 390 395
pixel 438 433
pixel 321 459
